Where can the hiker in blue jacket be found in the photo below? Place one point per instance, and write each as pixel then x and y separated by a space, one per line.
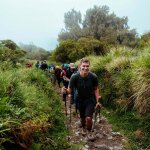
pixel 86 84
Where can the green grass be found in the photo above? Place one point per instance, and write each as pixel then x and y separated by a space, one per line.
pixel 29 101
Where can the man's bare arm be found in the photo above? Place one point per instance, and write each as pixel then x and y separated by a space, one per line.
pixel 97 95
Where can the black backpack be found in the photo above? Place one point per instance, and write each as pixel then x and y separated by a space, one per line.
pixel 57 72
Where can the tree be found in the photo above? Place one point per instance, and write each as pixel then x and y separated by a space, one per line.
pixel 99 24
pixel 72 50
pixel 73 23
pixel 92 46
pixel 63 50
pixel 72 20
pixel 95 20
pixel 9 44
pixel 34 52
pixel 144 41
pixel 10 51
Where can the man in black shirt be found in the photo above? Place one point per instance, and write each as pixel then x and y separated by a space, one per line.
pixel 86 84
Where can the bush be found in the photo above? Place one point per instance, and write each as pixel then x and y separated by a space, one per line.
pixel 29 107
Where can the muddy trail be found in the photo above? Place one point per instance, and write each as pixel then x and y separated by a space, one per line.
pixel 102 137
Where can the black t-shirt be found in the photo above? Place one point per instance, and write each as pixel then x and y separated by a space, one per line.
pixel 57 72
pixel 85 86
pixel 44 66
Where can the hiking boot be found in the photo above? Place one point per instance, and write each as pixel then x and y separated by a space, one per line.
pixel 83 131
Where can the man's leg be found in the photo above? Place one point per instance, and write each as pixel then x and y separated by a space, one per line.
pixel 82 113
pixel 82 122
pixel 89 123
pixel 89 113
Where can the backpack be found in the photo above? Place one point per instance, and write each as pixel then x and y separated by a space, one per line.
pixel 57 72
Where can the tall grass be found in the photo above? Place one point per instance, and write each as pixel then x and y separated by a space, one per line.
pixel 29 107
pixel 124 77
pixel 141 83
pixel 98 63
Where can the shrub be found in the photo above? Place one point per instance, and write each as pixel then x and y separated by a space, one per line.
pixel 29 107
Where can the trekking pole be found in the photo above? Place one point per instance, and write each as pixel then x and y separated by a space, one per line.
pixel 65 106
pixel 69 99
pixel 68 133
pixel 95 119
pixel 97 111
pixel 64 95
pixel 67 127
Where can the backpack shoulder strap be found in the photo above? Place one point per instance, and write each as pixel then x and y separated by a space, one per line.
pixel 77 75
pixel 91 75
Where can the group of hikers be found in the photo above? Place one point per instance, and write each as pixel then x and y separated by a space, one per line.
pixel 43 65
pixel 80 84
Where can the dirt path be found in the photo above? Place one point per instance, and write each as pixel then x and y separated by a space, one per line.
pixel 103 138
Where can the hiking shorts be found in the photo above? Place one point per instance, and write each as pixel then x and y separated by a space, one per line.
pixel 86 107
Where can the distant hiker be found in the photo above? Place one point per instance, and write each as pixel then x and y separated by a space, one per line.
pixel 44 65
pixel 29 65
pixel 37 65
pixel 67 72
pixel 70 70
pixel 58 75
pixel 65 66
pixel 51 66
pixel 86 84
pixel 52 75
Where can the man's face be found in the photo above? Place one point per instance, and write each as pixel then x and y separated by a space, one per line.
pixel 84 68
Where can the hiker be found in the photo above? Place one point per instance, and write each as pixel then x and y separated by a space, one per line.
pixel 65 65
pixel 66 75
pixel 57 74
pixel 37 65
pixel 29 65
pixel 65 81
pixel 51 73
pixel 44 65
pixel 86 84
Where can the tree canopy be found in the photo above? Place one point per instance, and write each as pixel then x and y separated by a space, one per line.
pixel 95 33
pixel 34 52
pixel 98 23
pixel 10 51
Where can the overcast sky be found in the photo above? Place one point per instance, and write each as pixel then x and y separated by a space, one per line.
pixel 40 21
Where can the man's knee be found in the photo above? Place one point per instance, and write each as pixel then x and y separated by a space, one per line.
pixel 89 123
pixel 88 119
